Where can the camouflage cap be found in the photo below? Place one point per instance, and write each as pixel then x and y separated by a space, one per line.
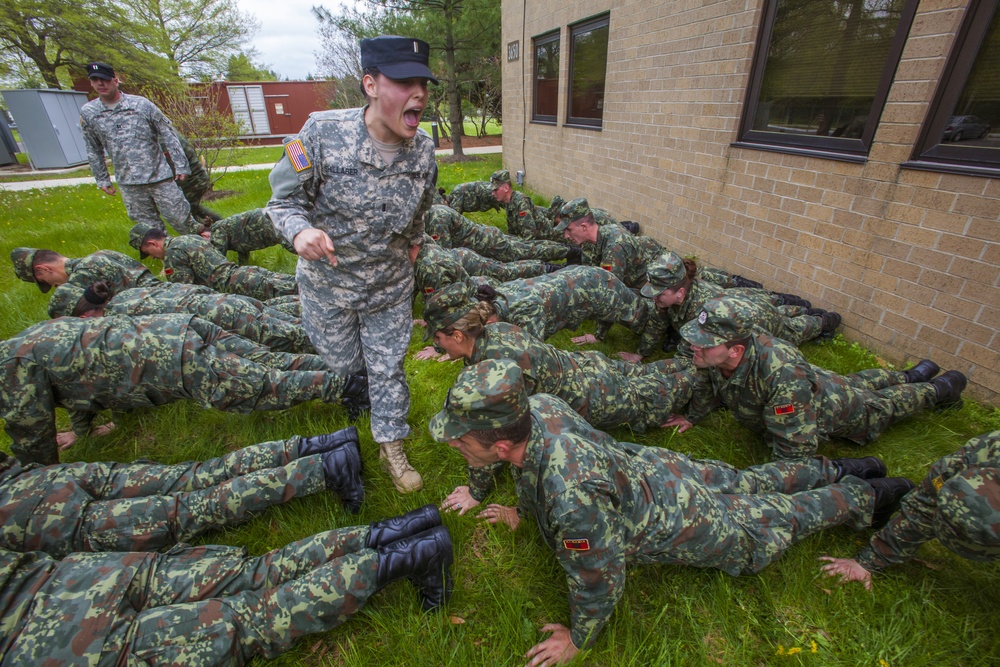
pixel 24 266
pixel 486 395
pixel 665 272
pixel 720 321
pixel 64 300
pixel 436 268
pixel 572 211
pixel 967 521
pixel 498 178
pixel 448 305
pixel 137 235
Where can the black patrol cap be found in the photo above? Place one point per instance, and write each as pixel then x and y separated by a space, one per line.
pixel 397 57
pixel 100 71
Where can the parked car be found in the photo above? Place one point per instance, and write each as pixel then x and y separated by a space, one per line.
pixel 965 127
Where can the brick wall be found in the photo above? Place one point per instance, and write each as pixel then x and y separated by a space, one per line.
pixel 910 258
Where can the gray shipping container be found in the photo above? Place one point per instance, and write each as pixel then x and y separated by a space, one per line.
pixel 49 123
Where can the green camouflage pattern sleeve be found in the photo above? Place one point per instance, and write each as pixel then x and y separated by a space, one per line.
pixel 483 480
pixel 81 420
pixel 913 525
pixel 521 216
pixel 703 397
pixel 28 409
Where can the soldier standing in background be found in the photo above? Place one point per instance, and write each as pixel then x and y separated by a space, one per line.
pixel 134 133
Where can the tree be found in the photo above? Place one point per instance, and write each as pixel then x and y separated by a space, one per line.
pixel 196 37
pixel 240 67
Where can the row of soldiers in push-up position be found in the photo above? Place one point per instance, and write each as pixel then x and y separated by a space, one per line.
pixel 76 538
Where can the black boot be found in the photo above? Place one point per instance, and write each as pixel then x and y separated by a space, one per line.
pixel 830 322
pixel 792 300
pixel 574 256
pixel 355 395
pixel 413 522
pixel 922 372
pixel 552 268
pixel 814 311
pixel 632 227
pixel 425 559
pixel 949 386
pixel 740 281
pixel 869 467
pixel 888 492
pixel 321 444
pixel 342 468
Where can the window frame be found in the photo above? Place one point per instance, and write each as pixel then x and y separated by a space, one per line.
pixel 537 41
pixel 930 152
pixel 591 23
pixel 837 148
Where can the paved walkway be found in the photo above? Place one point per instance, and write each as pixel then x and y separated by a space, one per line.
pixel 89 180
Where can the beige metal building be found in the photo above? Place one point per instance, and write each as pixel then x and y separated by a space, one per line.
pixel 847 151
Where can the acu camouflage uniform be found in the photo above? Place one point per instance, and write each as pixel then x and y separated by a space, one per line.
pixel 237 314
pixel 245 232
pixel 118 270
pixel 603 505
pixel 547 304
pixel 131 133
pixel 958 502
pixel 197 183
pixel 358 313
pixel 796 405
pixel 142 506
pixel 192 259
pixel 206 605
pixel 450 229
pixel 473 197
pixel 121 363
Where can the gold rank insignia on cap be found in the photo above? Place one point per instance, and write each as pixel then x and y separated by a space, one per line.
pixel 938 482
pixel 296 153
pixel 416 46
pixel 576 545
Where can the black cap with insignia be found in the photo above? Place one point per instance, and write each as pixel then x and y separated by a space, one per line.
pixel 397 57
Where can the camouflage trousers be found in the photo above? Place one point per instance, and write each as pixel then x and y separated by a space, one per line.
pixel 546 305
pixel 224 340
pixel 290 305
pixel 149 506
pixel 477 265
pixel 259 283
pixel 797 327
pixel 206 605
pixel 252 320
pixel 245 232
pixel 490 242
pixel 350 340
pixel 888 398
pixel 146 203
pixel 215 373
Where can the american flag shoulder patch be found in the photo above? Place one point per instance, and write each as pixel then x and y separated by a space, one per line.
pixel 576 545
pixel 296 153
pixel 785 409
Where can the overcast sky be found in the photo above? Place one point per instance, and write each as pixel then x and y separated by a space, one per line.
pixel 287 40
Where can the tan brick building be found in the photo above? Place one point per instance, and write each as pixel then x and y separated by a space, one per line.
pixel 867 210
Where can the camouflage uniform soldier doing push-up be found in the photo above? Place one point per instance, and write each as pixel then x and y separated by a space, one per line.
pixel 47 268
pixel 121 363
pixel 603 505
pixel 245 232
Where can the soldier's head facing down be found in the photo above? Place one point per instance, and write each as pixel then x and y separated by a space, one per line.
pixel 967 520
pixel 395 84
pixel 720 334
pixel 501 186
pixel 669 279
pixel 486 415
pixel 456 317
pixel 75 301
pixel 148 240
pixel 576 221
pixel 45 268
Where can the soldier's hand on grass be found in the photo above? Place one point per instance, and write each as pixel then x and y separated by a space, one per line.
pixel 847 569
pixel 680 421
pixel 427 353
pixel 314 244
pixel 103 429
pixel 585 339
pixel 460 500
pixel 65 440
pixel 419 322
pixel 109 189
pixel 555 650
pixel 630 357
pixel 502 513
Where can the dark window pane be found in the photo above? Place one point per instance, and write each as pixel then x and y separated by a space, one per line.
pixel 547 78
pixel 588 69
pixel 976 118
pixel 823 66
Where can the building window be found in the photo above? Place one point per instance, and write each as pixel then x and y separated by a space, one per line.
pixel 588 67
pixel 962 131
pixel 821 73
pixel 546 101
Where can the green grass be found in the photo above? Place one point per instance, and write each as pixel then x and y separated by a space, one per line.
pixel 471 129
pixel 940 610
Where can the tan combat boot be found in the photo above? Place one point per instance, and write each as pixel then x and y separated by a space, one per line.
pixel 394 461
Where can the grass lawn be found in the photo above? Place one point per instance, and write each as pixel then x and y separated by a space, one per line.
pixel 939 610
pixel 471 130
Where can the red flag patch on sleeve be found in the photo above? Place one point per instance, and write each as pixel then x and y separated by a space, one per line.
pixel 606 267
pixel 576 545
pixel 523 213
pixel 168 272
pixel 785 409
pixel 428 290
